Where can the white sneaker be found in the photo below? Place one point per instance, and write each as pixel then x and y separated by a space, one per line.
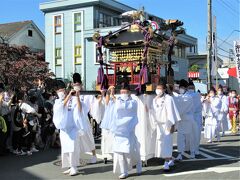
pixel 166 166
pixel 192 155
pixel 67 171
pixel 93 160
pixel 209 141
pixel 123 176
pixel 179 157
pixel 73 171
pixel 22 153
pixel 34 150
pixel 29 153
pixel 139 168
pixel 171 163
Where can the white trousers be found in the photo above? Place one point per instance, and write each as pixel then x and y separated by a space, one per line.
pixel 183 140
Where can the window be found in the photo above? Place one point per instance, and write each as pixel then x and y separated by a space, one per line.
pixel 58 56
pixel 77 22
pixel 190 48
pixel 105 20
pixel 57 24
pixel 78 55
pixel 30 33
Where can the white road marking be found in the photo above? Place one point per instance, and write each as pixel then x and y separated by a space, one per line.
pixel 214 169
pixel 206 155
pixel 219 154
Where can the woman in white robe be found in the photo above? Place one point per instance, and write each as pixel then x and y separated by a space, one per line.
pixel 67 118
pixel 166 115
pixel 224 125
pixel 211 110
pixel 125 144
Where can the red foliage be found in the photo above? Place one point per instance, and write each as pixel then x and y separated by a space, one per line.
pixel 19 67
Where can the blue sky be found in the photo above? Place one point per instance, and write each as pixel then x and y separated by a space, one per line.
pixel 192 12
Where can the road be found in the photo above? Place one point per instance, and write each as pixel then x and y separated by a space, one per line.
pixel 219 160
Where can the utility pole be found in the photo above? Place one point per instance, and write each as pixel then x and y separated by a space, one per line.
pixel 209 57
pixel 215 50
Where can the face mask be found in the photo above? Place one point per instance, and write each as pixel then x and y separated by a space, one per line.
pixel 76 88
pixel 61 95
pixel 220 92
pixel 159 92
pixel 211 94
pixel 124 97
pixel 181 91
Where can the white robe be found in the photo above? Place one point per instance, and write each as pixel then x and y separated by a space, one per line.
pixel 211 113
pixel 87 143
pixel 223 113
pixel 125 144
pixel 185 106
pixel 145 130
pixel 197 124
pixel 69 121
pixel 106 124
pixel 165 115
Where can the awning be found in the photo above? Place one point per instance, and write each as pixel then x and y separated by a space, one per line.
pixel 232 72
pixel 193 74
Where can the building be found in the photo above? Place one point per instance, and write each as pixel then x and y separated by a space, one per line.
pixel 201 60
pixel 24 33
pixel 69 27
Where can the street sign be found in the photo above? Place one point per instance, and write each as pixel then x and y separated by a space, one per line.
pixel 223 73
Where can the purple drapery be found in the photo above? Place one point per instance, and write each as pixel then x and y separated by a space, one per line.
pixel 143 76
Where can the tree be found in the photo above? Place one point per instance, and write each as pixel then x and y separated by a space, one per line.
pixel 194 68
pixel 20 68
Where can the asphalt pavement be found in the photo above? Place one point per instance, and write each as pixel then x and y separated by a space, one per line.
pixel 219 160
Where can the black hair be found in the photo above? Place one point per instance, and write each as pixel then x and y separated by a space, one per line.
pixel 183 83
pixel 125 85
pixel 163 84
pixel 212 89
pixel 77 78
pixel 20 96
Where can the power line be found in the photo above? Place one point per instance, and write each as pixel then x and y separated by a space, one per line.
pixel 225 42
pixel 226 5
pixel 223 49
pixel 222 55
pixel 229 36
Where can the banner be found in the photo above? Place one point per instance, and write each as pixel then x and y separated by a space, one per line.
pixel 237 57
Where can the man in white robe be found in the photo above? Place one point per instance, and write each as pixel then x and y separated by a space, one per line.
pixel 145 130
pixel 67 118
pixel 197 124
pixel 166 115
pixel 224 111
pixel 211 111
pixel 87 143
pixel 125 144
pixel 184 127
pixel 102 112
